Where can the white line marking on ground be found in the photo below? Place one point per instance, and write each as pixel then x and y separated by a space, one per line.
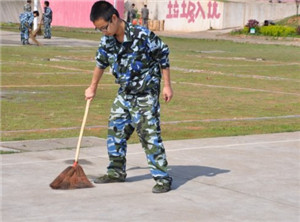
pixel 208 72
pixel 185 83
pixel 163 123
pixel 234 145
pixel 238 88
pixel 42 86
pixel 234 119
pixel 169 150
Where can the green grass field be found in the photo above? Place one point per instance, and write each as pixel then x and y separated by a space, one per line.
pixel 221 89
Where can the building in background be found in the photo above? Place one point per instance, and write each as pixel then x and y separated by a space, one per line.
pixel 69 13
pixel 199 15
pixel 170 15
pixel 76 13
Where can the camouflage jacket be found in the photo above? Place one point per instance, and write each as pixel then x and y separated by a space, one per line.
pixel 26 18
pixel 136 62
pixel 47 15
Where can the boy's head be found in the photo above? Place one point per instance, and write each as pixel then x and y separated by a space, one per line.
pixel 29 1
pixel 105 18
pixel 46 3
pixel 36 13
pixel 104 10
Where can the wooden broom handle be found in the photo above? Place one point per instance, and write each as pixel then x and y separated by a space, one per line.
pixel 82 128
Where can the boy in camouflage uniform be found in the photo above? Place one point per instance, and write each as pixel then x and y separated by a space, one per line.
pixel 26 20
pixel 136 57
pixel 47 19
pixel 27 6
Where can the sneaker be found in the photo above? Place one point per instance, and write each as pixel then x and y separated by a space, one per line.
pixel 161 188
pixel 107 179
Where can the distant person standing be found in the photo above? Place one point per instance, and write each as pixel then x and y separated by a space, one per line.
pixel 27 6
pixel 128 15
pixel 145 16
pixel 47 19
pixel 132 13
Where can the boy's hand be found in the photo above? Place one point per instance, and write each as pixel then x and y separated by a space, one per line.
pixel 167 93
pixel 90 93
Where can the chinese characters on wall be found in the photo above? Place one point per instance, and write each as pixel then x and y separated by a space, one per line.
pixel 192 10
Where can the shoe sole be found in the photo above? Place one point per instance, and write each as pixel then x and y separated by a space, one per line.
pixel 111 181
pixel 161 191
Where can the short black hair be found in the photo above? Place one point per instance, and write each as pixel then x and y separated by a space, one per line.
pixel 103 9
pixel 47 3
pixel 36 12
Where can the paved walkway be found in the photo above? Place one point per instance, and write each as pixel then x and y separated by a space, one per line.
pixel 234 179
pixel 13 39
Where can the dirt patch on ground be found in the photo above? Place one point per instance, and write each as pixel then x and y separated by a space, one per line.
pixel 294 21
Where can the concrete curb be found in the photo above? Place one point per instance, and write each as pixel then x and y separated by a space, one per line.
pixel 229 179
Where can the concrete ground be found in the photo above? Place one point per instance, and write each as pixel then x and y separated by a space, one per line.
pixel 234 179
pixel 243 178
pixel 13 39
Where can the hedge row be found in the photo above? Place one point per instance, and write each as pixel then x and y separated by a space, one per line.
pixel 276 31
pixel 269 30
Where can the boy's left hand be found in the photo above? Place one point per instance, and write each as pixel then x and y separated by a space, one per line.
pixel 167 93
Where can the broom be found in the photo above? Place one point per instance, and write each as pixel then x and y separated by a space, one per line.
pixel 34 33
pixel 32 37
pixel 74 177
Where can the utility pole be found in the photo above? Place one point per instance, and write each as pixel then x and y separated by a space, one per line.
pixel 35 8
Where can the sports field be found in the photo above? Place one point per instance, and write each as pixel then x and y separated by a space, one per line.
pixel 221 88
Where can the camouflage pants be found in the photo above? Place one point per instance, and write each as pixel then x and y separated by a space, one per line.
pixel 24 34
pixel 47 31
pixel 143 114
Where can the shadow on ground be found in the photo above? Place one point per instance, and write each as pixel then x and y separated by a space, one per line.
pixel 181 174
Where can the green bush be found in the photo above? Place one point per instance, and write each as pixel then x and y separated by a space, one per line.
pixel 277 31
pixel 245 30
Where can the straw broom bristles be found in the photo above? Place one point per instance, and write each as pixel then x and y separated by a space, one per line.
pixel 73 177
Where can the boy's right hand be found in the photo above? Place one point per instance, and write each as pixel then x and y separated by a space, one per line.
pixel 90 93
